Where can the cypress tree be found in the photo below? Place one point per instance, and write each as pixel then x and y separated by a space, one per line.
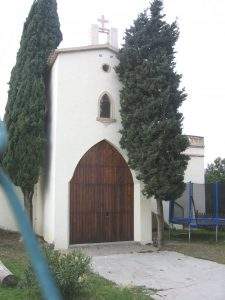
pixel 25 110
pixel 150 101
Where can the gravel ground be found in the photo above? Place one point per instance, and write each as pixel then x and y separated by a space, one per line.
pixel 104 249
pixel 173 275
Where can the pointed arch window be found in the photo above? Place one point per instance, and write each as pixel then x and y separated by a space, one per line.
pixel 105 107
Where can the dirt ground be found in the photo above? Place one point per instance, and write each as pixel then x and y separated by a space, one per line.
pixel 202 245
pixel 9 245
pixel 114 248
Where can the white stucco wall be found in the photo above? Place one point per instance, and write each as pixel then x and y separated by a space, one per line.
pixel 48 183
pixel 146 220
pixel 77 83
pixel 38 209
pixel 195 170
pixel 7 220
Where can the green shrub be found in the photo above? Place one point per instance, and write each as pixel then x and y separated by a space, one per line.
pixel 70 271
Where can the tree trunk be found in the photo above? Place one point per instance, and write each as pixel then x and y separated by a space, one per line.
pixel 160 223
pixel 28 196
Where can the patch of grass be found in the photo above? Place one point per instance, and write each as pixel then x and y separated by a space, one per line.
pixel 12 254
pixel 14 294
pixel 197 235
pixel 102 289
pixel 16 267
pixel 202 245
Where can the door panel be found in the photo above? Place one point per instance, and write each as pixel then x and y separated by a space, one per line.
pixel 101 197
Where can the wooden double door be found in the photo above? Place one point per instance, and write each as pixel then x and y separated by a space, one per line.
pixel 101 197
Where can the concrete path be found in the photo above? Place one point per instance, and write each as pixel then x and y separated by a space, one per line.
pixel 173 275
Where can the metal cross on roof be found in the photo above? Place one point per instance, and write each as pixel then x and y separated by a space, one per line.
pixel 103 21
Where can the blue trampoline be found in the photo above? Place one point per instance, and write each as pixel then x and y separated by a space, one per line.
pixel 201 205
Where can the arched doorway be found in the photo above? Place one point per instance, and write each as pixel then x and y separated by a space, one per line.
pixel 101 197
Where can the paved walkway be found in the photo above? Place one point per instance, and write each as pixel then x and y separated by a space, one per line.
pixel 173 275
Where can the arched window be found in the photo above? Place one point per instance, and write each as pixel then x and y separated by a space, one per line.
pixel 105 107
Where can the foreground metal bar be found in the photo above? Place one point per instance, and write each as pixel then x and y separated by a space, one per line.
pixel 47 284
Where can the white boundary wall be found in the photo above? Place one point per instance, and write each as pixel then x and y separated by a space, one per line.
pixel 7 220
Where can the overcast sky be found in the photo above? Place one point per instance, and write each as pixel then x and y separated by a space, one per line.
pixel 200 52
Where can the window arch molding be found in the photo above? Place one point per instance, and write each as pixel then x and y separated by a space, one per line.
pixel 108 115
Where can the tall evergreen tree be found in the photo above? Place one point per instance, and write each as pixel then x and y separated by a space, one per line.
pixel 25 110
pixel 150 101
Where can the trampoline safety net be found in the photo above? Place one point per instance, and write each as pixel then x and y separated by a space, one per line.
pixel 200 205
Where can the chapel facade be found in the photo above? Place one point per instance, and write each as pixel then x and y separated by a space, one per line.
pixel 91 194
pixel 88 193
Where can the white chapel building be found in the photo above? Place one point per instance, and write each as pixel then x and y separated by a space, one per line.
pixel 88 193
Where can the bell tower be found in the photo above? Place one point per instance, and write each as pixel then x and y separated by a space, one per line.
pixel 111 34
